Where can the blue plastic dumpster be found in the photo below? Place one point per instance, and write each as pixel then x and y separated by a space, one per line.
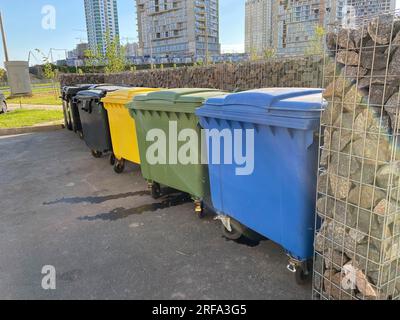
pixel 277 198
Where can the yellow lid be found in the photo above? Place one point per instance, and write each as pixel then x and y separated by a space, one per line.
pixel 125 96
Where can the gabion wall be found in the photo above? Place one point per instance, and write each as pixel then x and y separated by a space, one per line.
pixel 288 72
pixel 358 243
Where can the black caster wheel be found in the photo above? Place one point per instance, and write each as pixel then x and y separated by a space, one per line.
pixel 112 159
pixel 119 166
pixel 199 209
pixel 303 274
pixel 237 232
pixel 155 190
pixel 97 154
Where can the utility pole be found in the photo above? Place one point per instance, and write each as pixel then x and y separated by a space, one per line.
pixel 3 35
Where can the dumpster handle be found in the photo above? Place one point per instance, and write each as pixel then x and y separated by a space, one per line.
pixel 89 109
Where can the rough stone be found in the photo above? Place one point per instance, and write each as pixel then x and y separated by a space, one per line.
pixel 380 94
pixel 385 172
pixel 352 99
pixel 335 259
pixel 372 150
pixel 392 107
pixel 373 60
pixel 333 288
pixel 331 112
pixel 340 139
pixel 328 207
pixel 340 186
pixel 349 58
pixel 365 196
pixel 343 165
pixel 366 175
pixel 286 72
pixel 394 66
pixel 331 42
pixel 337 88
pixel 323 185
pixel 383 28
pixel 345 39
pixel 319 272
pixel 384 207
pixel 345 121
pixel 354 72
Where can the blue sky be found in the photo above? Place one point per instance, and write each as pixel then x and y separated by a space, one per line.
pixel 23 23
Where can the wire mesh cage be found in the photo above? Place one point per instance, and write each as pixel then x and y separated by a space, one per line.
pixel 357 244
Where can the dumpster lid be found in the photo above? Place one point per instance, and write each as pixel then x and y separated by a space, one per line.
pixel 185 95
pixel 125 95
pixel 286 107
pixel 274 98
pixel 97 93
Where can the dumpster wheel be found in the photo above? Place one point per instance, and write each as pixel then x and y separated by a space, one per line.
pixel 119 166
pixel 155 190
pixel 112 159
pixel 302 271
pixel 97 154
pixel 199 208
pixel 237 231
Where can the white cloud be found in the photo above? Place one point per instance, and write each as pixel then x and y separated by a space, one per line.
pixel 232 48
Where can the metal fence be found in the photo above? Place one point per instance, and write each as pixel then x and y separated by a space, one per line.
pixel 357 245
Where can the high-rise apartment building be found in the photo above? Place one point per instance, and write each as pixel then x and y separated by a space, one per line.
pixel 298 21
pixel 260 33
pixel 101 21
pixel 178 27
pixel 358 10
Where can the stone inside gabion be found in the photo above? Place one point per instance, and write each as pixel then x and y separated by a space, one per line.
pixel 358 244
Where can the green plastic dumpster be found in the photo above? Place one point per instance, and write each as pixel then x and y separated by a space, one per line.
pixel 167 128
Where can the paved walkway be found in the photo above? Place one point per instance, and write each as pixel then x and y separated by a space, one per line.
pixel 108 239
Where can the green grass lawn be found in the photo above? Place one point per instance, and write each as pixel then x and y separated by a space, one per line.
pixel 41 96
pixel 25 118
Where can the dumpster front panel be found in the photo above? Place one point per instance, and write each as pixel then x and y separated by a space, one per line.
pixel 123 133
pixel 122 125
pixel 190 178
pixel 95 126
pixel 277 199
pixel 156 111
pixel 71 106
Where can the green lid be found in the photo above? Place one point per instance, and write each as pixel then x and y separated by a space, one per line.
pixel 191 95
pixel 174 100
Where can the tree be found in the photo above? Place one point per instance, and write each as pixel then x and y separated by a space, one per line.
pixel 92 59
pixel 269 53
pixel 253 54
pixel 115 55
pixel 316 46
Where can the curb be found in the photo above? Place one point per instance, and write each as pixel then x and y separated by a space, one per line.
pixel 35 129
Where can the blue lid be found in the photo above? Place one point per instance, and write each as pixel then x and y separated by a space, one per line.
pixel 272 106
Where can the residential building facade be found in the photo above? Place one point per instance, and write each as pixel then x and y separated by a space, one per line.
pixel 178 27
pixel 298 21
pixel 101 21
pixel 358 10
pixel 260 31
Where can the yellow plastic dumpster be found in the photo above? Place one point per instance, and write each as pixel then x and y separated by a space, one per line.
pixel 123 127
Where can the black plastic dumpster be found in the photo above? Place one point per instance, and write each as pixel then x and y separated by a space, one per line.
pixel 71 113
pixel 94 119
